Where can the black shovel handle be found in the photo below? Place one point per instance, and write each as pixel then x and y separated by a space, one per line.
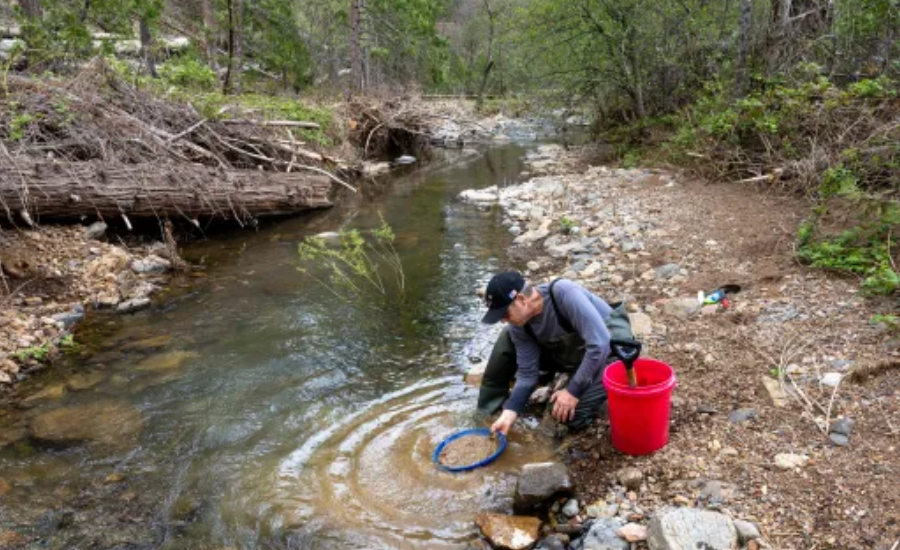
pixel 628 351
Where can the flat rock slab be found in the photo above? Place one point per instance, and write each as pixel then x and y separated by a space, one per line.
pixel 681 528
pixel 539 482
pixel 104 421
pixel 509 532
pixel 165 361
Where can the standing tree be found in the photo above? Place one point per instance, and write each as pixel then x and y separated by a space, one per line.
pixel 232 84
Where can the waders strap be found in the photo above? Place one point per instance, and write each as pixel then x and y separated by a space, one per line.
pixel 563 320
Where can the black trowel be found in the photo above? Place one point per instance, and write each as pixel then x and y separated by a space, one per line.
pixel 628 351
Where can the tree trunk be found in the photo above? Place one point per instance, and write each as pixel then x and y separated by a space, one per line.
pixel 356 77
pixel 209 33
pixel 65 190
pixel 490 56
pixel 742 65
pixel 235 47
pixel 147 47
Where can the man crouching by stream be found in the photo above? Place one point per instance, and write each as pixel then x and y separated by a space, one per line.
pixel 557 327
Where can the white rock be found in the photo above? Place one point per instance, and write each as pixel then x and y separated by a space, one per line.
pixel 831 379
pixel 789 461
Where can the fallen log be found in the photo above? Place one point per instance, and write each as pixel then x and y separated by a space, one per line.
pixel 286 123
pixel 48 189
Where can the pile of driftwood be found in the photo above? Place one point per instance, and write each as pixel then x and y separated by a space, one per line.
pixel 389 129
pixel 96 146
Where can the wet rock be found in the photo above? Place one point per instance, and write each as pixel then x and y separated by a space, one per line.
pixel 632 532
pixel 681 528
pixel 509 532
pixel 95 231
pixel 789 461
pixel 148 344
pixel 85 381
pixel 69 318
pixel 746 531
pixel 375 168
pixel 571 508
pixel 152 264
pixel 103 421
pixel 165 361
pixel 630 478
pixel 741 415
pixel 135 304
pixel 50 393
pixel 601 535
pixel 553 542
pixel 487 195
pixel 539 482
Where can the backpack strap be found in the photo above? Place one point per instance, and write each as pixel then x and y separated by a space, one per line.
pixel 563 320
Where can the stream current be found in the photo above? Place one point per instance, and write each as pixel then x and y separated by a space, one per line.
pixel 271 414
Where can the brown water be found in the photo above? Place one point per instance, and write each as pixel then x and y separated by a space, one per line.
pixel 263 413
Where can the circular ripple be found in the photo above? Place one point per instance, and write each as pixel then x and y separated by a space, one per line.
pixel 371 477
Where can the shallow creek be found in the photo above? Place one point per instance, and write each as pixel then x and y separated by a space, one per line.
pixel 259 411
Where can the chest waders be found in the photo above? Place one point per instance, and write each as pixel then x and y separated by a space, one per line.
pixel 563 355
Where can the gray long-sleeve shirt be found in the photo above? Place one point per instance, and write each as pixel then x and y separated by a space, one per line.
pixel 586 313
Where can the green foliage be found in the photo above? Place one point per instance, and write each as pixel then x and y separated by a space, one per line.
pixel 19 124
pixel 188 72
pixel 566 225
pixel 891 322
pixel 365 262
pixel 38 353
pixel 861 251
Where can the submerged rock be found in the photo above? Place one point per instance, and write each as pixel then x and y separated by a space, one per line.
pixel 103 421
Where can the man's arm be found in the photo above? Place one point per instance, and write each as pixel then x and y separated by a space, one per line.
pixel 527 371
pixel 588 322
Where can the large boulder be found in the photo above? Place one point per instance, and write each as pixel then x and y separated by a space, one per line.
pixel 104 422
pixel 540 482
pixel 679 528
pixel 509 532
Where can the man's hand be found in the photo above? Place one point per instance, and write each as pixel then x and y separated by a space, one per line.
pixel 564 404
pixel 505 422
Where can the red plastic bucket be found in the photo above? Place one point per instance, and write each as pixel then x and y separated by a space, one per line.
pixel 639 417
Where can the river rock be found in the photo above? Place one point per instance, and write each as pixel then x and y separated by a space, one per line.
pixel 831 379
pixel 84 381
pixel 775 393
pixel 539 482
pixel 632 532
pixel 553 542
pixel 715 490
pixel 571 508
pixel 165 361
pixel 487 195
pixel 789 461
pixel 50 393
pixel 69 318
pixel 641 325
pixel 509 532
pixel 741 415
pixel 95 231
pixel 531 236
pixel 601 535
pixel 746 531
pixel 630 478
pixel 152 264
pixel 148 344
pixel 102 421
pixel 681 307
pixel 135 304
pixel 842 426
pixel 681 528
pixel 666 272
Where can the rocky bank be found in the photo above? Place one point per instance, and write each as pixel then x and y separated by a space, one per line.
pixel 784 423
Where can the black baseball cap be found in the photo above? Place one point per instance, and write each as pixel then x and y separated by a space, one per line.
pixel 500 293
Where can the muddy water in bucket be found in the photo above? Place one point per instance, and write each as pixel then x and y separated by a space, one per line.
pixel 268 414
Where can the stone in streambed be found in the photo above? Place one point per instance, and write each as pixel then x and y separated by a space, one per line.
pixel 509 532
pixel 103 421
pixel 539 482
pixel 680 528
